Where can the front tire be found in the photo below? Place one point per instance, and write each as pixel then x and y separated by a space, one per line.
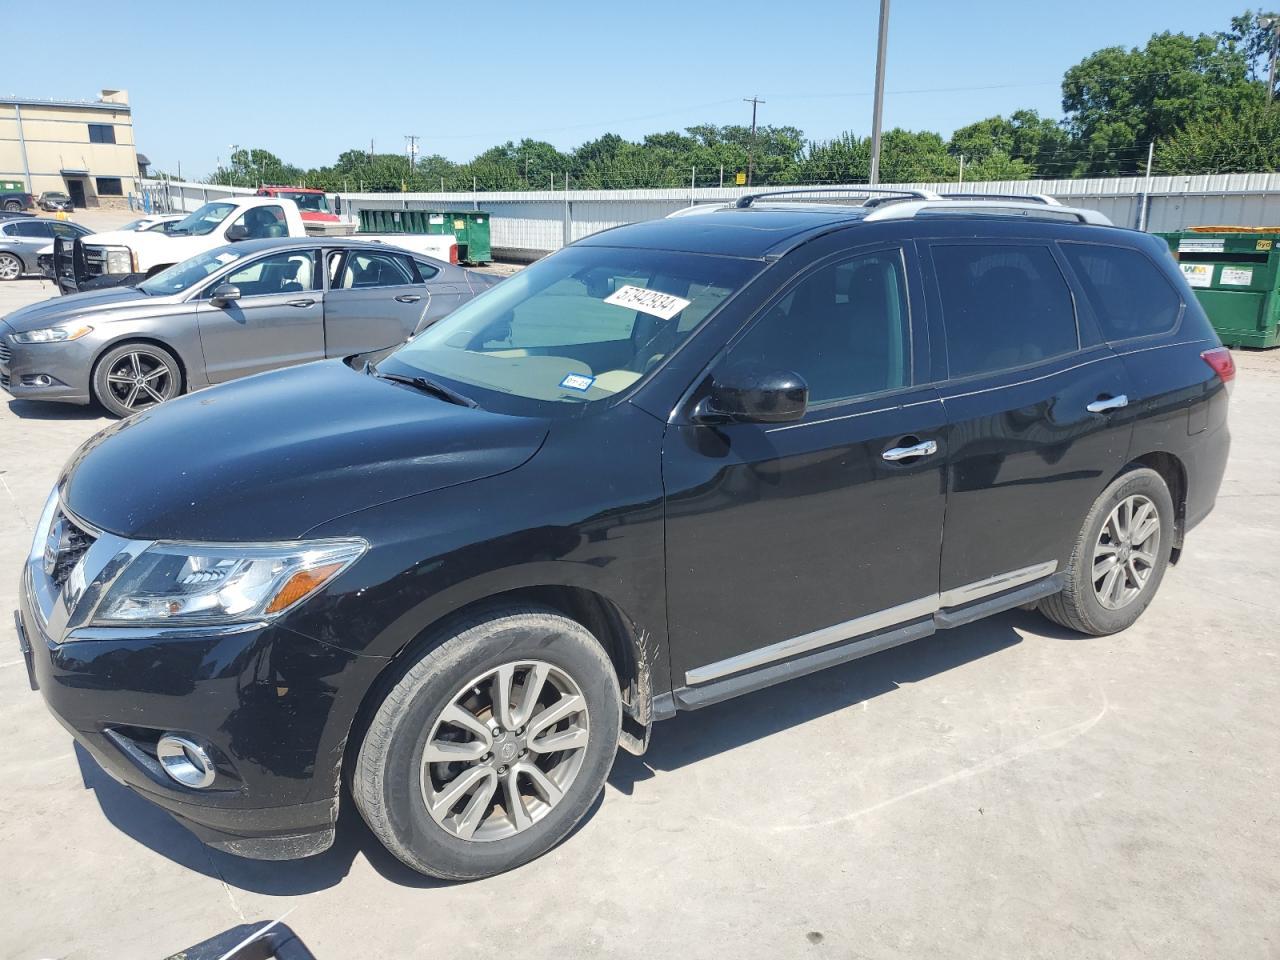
pixel 1119 557
pixel 134 376
pixel 10 267
pixel 492 746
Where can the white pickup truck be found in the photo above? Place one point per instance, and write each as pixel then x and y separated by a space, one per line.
pixel 126 256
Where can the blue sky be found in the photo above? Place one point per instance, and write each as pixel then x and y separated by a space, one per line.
pixel 308 80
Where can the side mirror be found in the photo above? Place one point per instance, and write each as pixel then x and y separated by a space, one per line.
pixel 238 232
pixel 754 394
pixel 223 294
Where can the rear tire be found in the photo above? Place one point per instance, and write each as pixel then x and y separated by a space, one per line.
pixel 459 784
pixel 13 206
pixel 1119 557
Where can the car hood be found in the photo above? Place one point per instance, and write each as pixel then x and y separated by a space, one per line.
pixel 61 309
pixel 271 456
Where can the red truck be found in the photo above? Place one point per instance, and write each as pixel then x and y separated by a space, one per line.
pixel 312 203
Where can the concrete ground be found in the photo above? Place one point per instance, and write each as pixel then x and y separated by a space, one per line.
pixel 1006 789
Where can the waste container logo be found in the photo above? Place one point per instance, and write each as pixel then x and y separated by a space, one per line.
pixel 1263 245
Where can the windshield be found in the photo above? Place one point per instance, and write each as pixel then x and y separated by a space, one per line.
pixel 182 276
pixel 309 202
pixel 577 327
pixel 204 220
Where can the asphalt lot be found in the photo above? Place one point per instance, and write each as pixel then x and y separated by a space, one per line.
pixel 1005 789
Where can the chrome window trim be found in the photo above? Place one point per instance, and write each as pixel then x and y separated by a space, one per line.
pixel 870 623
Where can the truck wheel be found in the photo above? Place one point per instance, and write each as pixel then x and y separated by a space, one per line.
pixel 1119 557
pixel 13 206
pixel 133 376
pixel 490 748
pixel 10 267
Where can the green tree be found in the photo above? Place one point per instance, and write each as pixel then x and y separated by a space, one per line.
pixel 1245 141
pixel 1037 142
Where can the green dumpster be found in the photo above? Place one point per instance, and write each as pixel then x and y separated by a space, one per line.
pixel 469 227
pixel 1235 272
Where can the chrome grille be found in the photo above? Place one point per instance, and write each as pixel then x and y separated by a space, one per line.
pixel 65 544
pixel 95 261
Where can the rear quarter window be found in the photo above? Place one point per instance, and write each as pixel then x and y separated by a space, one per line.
pixel 1128 293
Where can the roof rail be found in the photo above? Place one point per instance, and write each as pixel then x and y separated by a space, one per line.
pixel 1028 197
pixel 1032 209
pixel 748 199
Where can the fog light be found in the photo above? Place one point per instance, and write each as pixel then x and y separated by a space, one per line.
pixel 39 380
pixel 185 761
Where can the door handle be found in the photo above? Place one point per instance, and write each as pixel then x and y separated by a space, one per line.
pixel 299 303
pixel 925 448
pixel 409 297
pixel 1103 404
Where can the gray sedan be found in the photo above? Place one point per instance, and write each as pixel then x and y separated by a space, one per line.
pixel 239 309
pixel 22 238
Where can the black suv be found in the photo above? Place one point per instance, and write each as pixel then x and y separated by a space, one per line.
pixel 675 462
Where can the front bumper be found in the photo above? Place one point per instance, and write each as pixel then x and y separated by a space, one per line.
pixel 271 706
pixel 67 365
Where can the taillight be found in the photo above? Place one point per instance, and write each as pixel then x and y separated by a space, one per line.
pixel 453 253
pixel 1223 365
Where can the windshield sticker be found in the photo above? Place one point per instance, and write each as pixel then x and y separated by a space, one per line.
pixel 664 306
pixel 577 381
pixel 226 257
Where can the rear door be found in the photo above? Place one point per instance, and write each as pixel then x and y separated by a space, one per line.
pixel 375 300
pixel 1036 423
pixel 278 320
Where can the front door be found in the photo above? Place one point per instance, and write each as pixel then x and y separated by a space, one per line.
pixel 278 319
pixel 375 300
pixel 829 530
pixel 1036 425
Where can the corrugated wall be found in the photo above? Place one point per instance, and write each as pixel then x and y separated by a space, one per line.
pixel 535 222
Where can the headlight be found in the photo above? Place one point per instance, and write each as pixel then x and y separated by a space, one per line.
pixel 179 584
pixel 52 334
pixel 119 259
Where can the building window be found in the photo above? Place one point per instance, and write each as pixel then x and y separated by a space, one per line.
pixel 110 187
pixel 102 133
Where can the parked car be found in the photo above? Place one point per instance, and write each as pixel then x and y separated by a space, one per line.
pixel 15 202
pixel 674 463
pixel 22 239
pixel 239 309
pixel 55 200
pixel 121 257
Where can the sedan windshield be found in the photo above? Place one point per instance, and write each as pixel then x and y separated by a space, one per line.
pixel 182 276
pixel 577 327
pixel 204 219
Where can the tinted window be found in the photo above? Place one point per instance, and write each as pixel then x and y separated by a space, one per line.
pixel 283 273
pixel 1126 290
pixel 425 270
pixel 1003 306
pixel 60 229
pixel 110 187
pixel 34 228
pixel 262 222
pixel 375 270
pixel 843 328
pixel 102 133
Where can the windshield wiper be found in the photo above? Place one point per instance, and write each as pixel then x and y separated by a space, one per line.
pixel 428 386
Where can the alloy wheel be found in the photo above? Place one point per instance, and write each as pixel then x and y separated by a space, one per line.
pixel 10 267
pixel 504 751
pixel 1125 555
pixel 139 379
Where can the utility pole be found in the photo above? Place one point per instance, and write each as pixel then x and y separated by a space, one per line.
pixel 877 111
pixel 1272 22
pixel 751 149
pixel 962 169
pixel 411 148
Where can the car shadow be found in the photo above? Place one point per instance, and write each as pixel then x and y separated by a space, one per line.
pixel 685 739
pixel 44 410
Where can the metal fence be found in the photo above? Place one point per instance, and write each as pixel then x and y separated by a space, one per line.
pixel 528 224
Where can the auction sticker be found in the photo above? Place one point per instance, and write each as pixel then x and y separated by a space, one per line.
pixel 1236 276
pixel 577 381
pixel 1198 274
pixel 653 302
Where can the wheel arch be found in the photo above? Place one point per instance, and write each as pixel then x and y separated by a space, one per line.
pixel 1174 473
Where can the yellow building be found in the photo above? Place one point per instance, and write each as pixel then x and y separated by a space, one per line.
pixel 83 148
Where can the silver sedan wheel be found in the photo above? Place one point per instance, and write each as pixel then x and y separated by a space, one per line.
pixel 10 267
pixel 1125 555
pixel 504 751
pixel 140 378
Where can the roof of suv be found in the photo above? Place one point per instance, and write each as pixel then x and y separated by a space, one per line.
pixel 754 229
